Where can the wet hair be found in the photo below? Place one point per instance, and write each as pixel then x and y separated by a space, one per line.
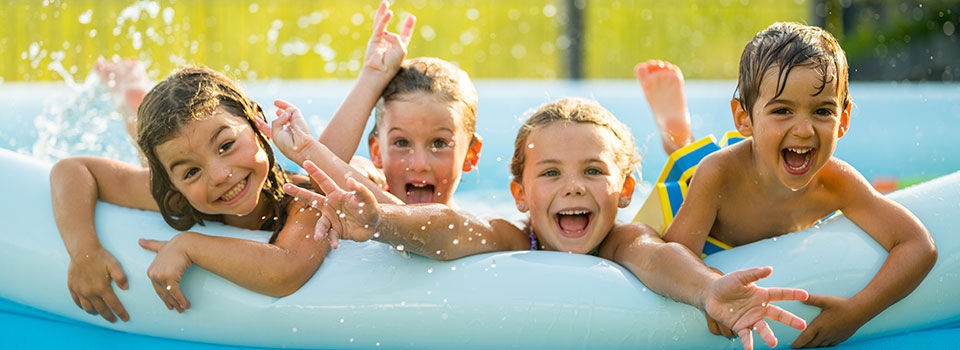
pixel 576 110
pixel 786 45
pixel 189 94
pixel 438 78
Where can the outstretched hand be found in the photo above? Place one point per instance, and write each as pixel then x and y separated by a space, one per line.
pixel 352 215
pixel 738 303
pixel 88 279
pixel 289 132
pixel 386 50
pixel 838 320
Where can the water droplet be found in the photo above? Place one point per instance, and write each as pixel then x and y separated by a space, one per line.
pixel 456 241
pixel 360 211
pixel 430 270
pixel 351 340
pixel 450 226
pixel 366 226
pixel 453 268
pixel 376 235
pixel 444 300
pixel 301 210
pixel 530 146
pixel 438 252
pixel 314 203
pixel 423 228
pixel 341 320
pixel 400 247
pixel 378 343
pixel 483 241
pixel 294 329
pixel 342 215
pixel 169 287
pixel 731 309
pixel 470 229
pixel 493 264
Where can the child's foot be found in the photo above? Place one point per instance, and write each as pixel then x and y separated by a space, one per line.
pixel 662 84
pixel 126 79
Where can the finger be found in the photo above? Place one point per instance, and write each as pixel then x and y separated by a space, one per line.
pixel 395 41
pixel 151 244
pixel 103 310
pixel 76 299
pixel 777 293
pixel 803 340
pixel 281 104
pixel 775 313
pixel 763 329
pixel 364 195
pixel 320 231
pixel 407 31
pixel 263 127
pixel 747 276
pixel 116 273
pixel 116 306
pixel 327 185
pixel 162 293
pixel 712 325
pixel 381 11
pixel 725 331
pixel 381 26
pixel 304 195
pixel 87 306
pixel 746 337
pixel 334 237
pixel 177 294
pixel 817 300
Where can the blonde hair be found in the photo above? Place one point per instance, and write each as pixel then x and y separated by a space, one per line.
pixel 434 76
pixel 576 110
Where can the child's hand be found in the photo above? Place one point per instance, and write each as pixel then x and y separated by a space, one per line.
pixel 289 131
pixel 718 328
pixel 166 270
pixel 386 50
pixel 353 215
pixel 88 279
pixel 735 301
pixel 838 320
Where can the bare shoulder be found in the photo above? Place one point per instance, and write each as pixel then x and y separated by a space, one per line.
pixel 509 235
pixel 842 178
pixel 626 233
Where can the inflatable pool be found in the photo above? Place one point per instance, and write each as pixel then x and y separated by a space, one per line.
pixel 369 295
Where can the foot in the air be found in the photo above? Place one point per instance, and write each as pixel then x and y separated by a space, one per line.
pixel 662 84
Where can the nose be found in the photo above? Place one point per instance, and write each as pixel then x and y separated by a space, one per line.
pixel 803 128
pixel 418 159
pixel 574 188
pixel 218 173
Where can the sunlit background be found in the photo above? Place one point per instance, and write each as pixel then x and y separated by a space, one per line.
pixel 307 39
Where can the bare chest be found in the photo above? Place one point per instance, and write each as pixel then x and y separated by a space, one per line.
pixel 752 218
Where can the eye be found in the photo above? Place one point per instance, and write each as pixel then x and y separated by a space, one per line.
pixel 550 173
pixel 190 173
pixel 824 112
pixel 226 146
pixel 439 143
pixel 401 142
pixel 593 171
pixel 781 111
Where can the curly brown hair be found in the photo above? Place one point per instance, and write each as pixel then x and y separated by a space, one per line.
pixel 576 110
pixel 195 93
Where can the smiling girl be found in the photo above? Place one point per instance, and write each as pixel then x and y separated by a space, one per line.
pixel 572 190
pixel 207 162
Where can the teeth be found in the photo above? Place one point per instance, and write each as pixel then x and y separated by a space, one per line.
pixel 420 185
pixel 799 150
pixel 233 191
pixel 574 212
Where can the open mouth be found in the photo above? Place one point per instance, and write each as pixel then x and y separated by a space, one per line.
pixel 419 193
pixel 797 160
pixel 573 223
pixel 234 193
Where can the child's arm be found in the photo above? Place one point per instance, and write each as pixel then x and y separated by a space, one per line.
pixel 76 184
pixel 912 254
pixel 292 137
pixel 432 230
pixel 385 54
pixel 671 269
pixel 692 224
pixel 277 269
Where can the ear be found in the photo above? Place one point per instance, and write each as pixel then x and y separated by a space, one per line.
pixel 375 151
pixel 626 193
pixel 844 120
pixel 516 189
pixel 473 154
pixel 741 119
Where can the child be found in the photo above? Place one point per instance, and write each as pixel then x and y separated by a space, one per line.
pixel 572 190
pixel 206 161
pixel 794 103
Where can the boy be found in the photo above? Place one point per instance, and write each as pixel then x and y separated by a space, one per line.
pixel 794 104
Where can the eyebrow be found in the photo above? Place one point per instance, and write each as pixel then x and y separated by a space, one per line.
pixel 442 128
pixel 556 161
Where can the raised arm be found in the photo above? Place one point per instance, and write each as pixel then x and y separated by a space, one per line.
pixel 385 54
pixel 76 184
pixel 673 270
pixel 912 253
pixel 292 137
pixel 277 269
pixel 432 230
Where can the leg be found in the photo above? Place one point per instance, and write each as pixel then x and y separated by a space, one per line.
pixel 127 81
pixel 662 84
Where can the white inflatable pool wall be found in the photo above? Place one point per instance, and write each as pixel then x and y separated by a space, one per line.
pixel 367 295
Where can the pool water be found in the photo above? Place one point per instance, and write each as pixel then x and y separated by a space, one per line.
pixel 900 131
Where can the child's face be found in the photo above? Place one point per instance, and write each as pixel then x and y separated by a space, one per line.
pixel 422 148
pixel 217 163
pixel 795 134
pixel 572 187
